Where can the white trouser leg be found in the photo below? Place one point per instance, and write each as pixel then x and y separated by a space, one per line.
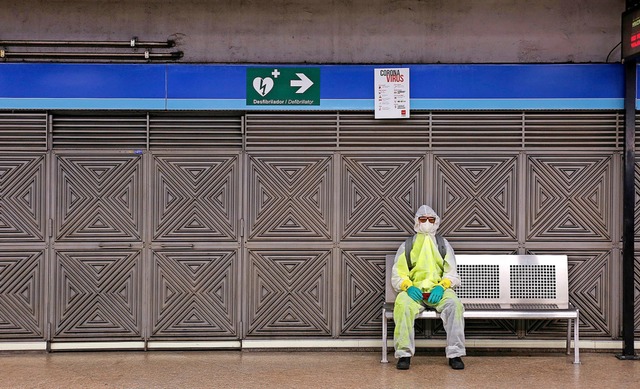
pixel 404 315
pixel 452 314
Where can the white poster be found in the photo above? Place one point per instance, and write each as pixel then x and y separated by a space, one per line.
pixel 392 93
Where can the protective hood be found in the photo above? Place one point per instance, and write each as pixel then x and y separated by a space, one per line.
pixel 426 228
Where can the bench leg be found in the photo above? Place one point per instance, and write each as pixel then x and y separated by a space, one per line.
pixel 568 350
pixel 576 340
pixel 384 336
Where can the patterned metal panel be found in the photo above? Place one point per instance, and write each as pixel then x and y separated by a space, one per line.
pixel 534 306
pixel 636 300
pixel 98 198
pixel 97 294
pixel 532 282
pixel 364 130
pixel 636 220
pixel 193 294
pixel 90 131
pixel 476 196
pixel 22 200
pixel 470 130
pixel 590 289
pixel 291 130
pixel 195 198
pixel 479 281
pixel 23 131
pixel 290 197
pixel 175 130
pixel 360 201
pixel 473 306
pixel 380 194
pixel 580 129
pixel 362 295
pixel 289 293
pixel 569 198
pixel 483 329
pixel 21 294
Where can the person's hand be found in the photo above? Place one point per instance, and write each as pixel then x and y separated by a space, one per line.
pixel 436 294
pixel 415 293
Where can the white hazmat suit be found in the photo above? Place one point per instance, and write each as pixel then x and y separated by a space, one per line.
pixel 428 271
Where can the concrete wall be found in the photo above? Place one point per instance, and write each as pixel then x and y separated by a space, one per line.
pixel 336 31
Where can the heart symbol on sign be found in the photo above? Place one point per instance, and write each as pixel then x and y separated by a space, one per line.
pixel 263 85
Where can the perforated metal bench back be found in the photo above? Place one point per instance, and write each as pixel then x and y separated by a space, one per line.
pixel 508 281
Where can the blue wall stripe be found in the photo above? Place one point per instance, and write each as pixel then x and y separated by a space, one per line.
pixel 416 104
pixel 240 104
pixel 512 104
pixel 90 103
pixel 206 104
pixel 326 104
pixel 342 87
pixel 82 81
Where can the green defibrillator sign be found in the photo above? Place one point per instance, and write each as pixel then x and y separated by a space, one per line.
pixel 283 86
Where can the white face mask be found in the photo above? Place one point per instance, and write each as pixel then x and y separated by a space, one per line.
pixel 427 228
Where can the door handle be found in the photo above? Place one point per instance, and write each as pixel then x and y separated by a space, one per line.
pixel 177 246
pixel 114 245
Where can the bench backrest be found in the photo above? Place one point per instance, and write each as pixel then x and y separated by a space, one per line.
pixel 506 280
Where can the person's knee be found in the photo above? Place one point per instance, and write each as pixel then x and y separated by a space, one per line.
pixel 402 301
pixel 453 306
pixel 402 305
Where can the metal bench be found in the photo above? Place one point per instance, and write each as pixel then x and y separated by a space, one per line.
pixel 505 287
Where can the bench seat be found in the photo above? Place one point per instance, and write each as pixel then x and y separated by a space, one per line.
pixel 505 287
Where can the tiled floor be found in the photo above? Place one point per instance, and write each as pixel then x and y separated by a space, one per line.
pixel 303 369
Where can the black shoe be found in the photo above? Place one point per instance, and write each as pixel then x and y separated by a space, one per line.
pixel 456 363
pixel 403 363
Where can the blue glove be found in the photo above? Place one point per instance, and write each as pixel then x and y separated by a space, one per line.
pixel 436 294
pixel 415 293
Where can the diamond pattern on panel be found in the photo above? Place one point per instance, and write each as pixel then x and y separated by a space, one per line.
pixel 22 198
pixel 195 198
pixel 362 295
pixel 21 297
pixel 289 293
pixel 290 197
pixel 569 197
pixel 590 291
pixel 193 294
pixel 636 294
pixel 97 294
pixel 380 196
pixel 637 200
pixel 476 197
pixel 98 198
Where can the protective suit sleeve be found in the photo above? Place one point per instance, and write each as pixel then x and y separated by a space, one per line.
pixel 450 271
pixel 400 280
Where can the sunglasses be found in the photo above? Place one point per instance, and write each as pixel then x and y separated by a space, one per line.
pixel 424 219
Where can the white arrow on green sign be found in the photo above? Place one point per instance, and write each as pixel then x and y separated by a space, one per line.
pixel 304 83
pixel 283 86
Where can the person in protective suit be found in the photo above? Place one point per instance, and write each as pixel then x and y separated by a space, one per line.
pixel 429 273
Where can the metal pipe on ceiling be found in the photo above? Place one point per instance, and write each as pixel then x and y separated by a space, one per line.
pixel 143 56
pixel 134 42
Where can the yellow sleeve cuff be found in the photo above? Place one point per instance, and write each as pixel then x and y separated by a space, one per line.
pixel 405 285
pixel 445 283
